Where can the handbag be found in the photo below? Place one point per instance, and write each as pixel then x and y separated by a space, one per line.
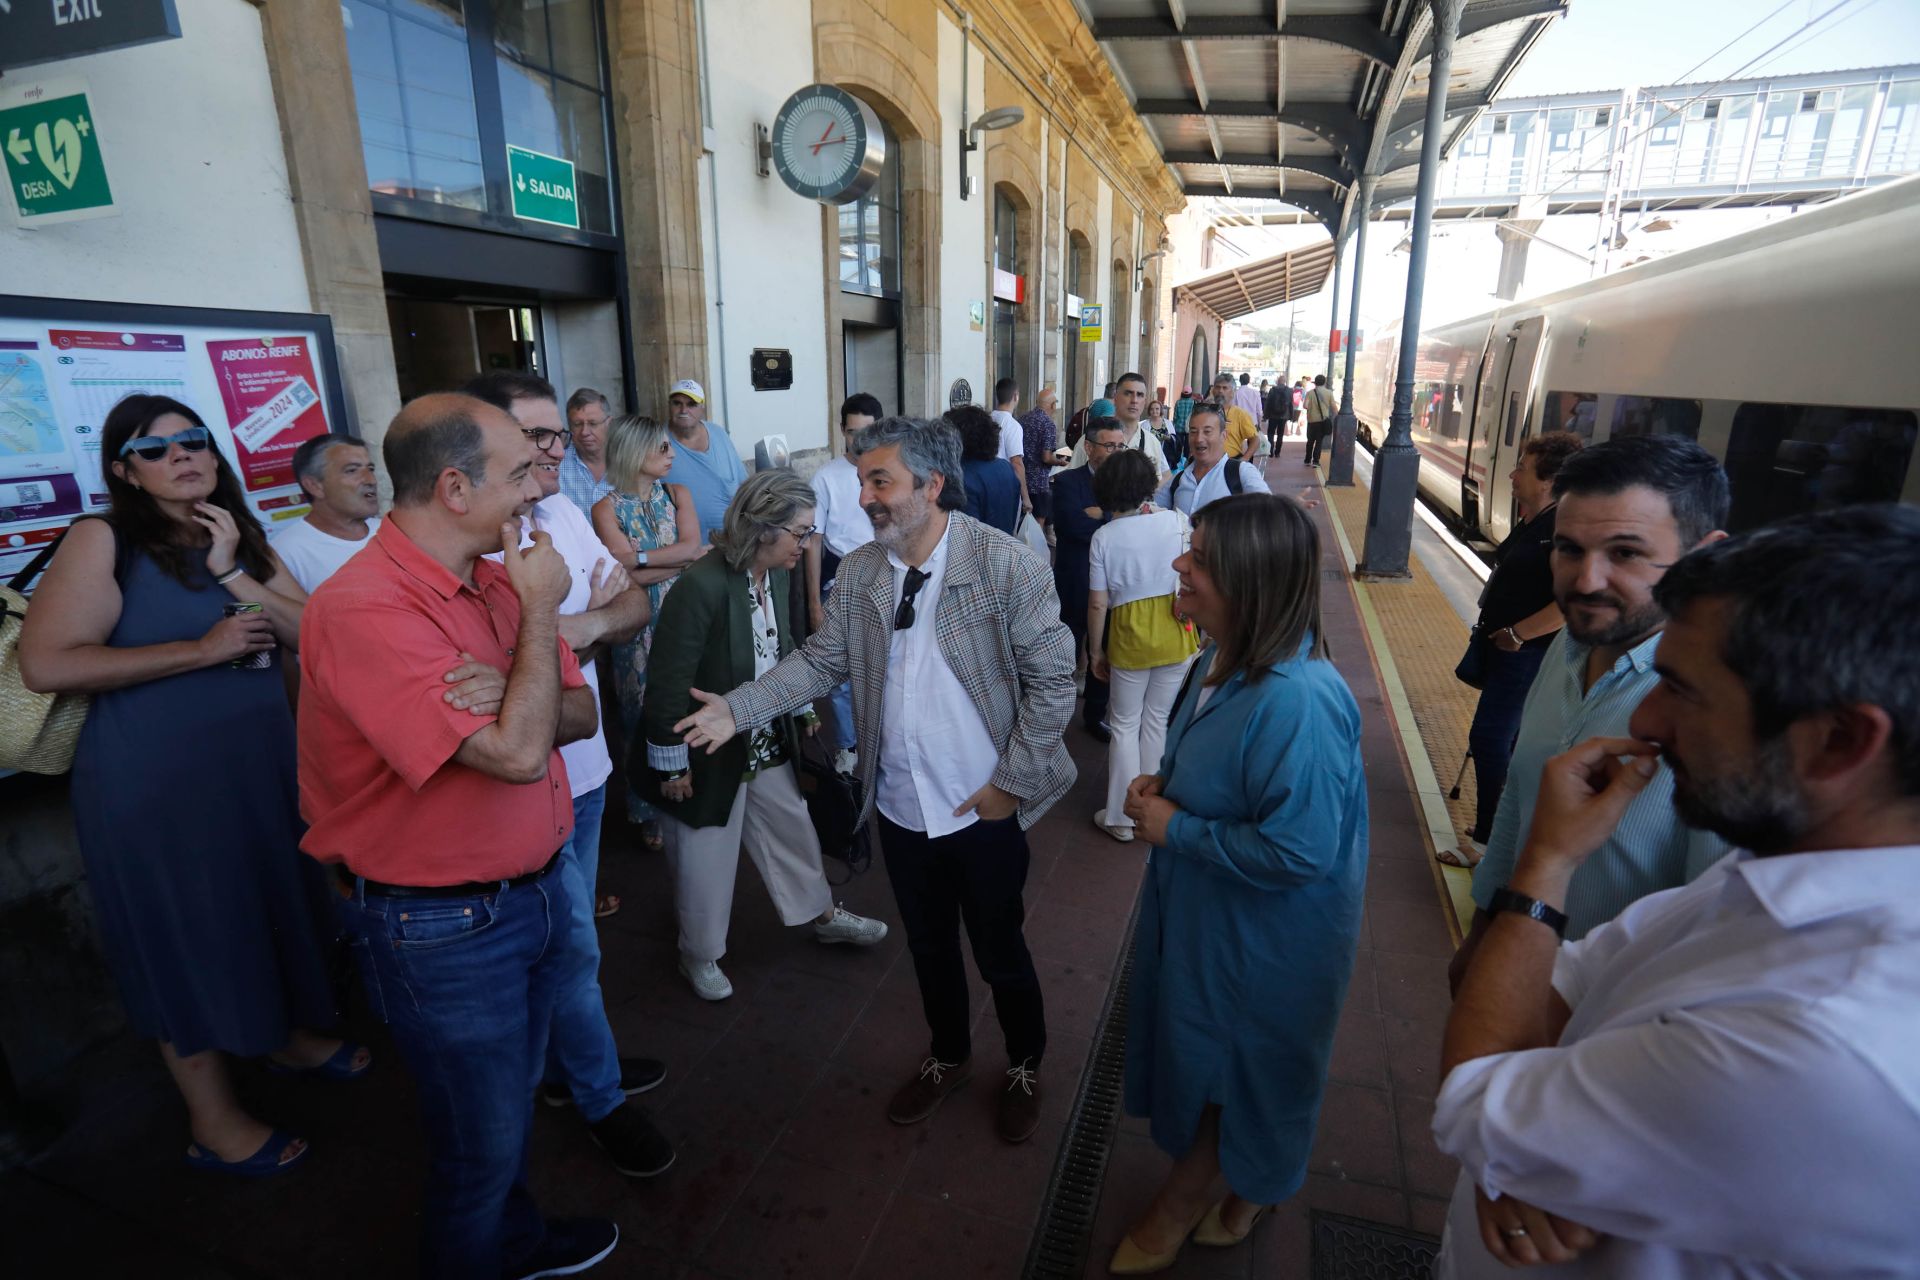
pixel 1034 536
pixel 1472 667
pixel 833 803
pixel 38 731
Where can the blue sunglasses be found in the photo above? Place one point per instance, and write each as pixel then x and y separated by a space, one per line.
pixel 154 448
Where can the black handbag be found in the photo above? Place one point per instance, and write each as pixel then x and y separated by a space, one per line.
pixel 1472 667
pixel 833 802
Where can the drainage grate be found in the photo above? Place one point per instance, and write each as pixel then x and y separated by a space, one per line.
pixel 1354 1249
pixel 1060 1242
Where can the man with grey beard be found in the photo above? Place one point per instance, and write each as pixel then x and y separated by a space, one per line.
pixel 1628 509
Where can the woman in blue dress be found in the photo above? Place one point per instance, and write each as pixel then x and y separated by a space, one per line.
pixel 184 797
pixel 1251 909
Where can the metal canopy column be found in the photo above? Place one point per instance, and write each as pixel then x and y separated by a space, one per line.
pixel 1396 467
pixel 1333 322
pixel 1340 455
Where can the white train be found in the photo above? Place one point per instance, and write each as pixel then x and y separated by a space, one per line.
pixel 1789 351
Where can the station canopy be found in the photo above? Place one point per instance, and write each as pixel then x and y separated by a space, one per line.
pixel 1271 282
pixel 1293 100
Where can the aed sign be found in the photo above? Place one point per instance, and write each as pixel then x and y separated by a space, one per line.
pixel 543 189
pixel 1090 323
pixel 35 31
pixel 52 146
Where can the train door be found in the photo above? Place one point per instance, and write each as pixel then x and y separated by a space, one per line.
pixel 1507 420
pixel 1480 430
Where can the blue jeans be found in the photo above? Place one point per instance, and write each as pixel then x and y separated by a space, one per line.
pixel 1496 724
pixel 580 1052
pixel 466 984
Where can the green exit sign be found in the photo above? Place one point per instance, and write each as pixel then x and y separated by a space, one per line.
pixel 543 189
pixel 53 162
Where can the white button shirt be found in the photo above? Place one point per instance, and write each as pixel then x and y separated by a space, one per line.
pixel 1737 1094
pixel 844 524
pixel 935 751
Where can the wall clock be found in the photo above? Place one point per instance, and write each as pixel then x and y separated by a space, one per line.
pixel 828 145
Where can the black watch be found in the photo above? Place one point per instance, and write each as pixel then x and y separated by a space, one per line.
pixel 1505 899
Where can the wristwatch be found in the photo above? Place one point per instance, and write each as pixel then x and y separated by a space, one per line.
pixel 641 557
pixel 1505 899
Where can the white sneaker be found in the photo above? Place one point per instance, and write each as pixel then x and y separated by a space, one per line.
pixel 848 927
pixel 1123 834
pixel 707 980
pixel 845 761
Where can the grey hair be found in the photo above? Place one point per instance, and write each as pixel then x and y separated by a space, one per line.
pixel 765 503
pixel 926 448
pixel 632 438
pixel 310 459
pixel 586 396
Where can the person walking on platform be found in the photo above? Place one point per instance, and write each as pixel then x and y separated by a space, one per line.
pixel 962 686
pixel 725 623
pixel 1247 398
pixel 1518 619
pixel 1145 651
pixel 1213 474
pixel 1041 436
pixel 1724 1081
pixel 706 461
pixel 1626 510
pixel 1182 410
pixel 1251 909
pixel 444 827
pixel 1319 405
pixel 1076 516
pixel 183 792
pixel 1240 427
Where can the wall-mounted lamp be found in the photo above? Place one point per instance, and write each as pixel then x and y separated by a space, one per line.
pixel 998 118
pixel 1140 267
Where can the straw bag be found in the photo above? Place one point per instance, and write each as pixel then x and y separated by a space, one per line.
pixel 38 731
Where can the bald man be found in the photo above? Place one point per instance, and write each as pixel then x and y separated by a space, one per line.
pixel 437 799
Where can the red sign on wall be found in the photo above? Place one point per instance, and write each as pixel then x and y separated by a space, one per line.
pixel 1008 287
pixel 272 401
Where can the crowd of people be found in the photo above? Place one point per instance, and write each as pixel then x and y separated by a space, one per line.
pixel 1699 765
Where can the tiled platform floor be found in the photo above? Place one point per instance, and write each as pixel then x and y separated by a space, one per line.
pixel 788 1166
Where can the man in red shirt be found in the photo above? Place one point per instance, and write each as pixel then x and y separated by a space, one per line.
pixel 441 825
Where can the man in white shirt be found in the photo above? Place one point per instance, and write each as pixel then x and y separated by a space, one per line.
pixel 1724 1081
pixel 1130 407
pixel 1013 436
pixel 844 525
pixel 963 686
pixel 1210 476
pixel 601 607
pixel 336 473
pixel 1247 397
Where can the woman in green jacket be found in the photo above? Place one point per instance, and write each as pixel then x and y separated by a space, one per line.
pixel 725 623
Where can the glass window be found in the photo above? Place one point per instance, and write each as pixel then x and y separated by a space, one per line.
pixel 1654 416
pixel 870 233
pixel 1787 458
pixel 413 88
pixel 1006 234
pixel 1896 145
pixel 548 63
pixel 1570 411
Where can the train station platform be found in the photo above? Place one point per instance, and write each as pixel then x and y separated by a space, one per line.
pixel 775 1098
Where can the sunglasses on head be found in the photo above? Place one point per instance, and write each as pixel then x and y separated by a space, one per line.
pixel 154 448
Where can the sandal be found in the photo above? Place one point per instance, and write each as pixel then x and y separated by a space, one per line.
pixel 1457 858
pixel 337 1067
pixel 263 1163
pixel 652 839
pixel 605 905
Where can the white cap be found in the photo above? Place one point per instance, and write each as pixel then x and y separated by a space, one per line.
pixel 690 389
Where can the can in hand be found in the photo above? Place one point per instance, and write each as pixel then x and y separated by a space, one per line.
pixel 247 661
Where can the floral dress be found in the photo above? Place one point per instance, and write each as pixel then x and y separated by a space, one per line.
pixel 651 522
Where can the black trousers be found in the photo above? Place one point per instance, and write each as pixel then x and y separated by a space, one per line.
pixel 977 874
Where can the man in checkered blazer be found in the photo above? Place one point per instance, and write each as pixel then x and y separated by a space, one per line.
pixel 962 678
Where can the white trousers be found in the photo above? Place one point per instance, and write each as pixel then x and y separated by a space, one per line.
pixel 769 817
pixel 1137 713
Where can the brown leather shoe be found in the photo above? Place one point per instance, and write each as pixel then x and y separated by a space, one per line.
pixel 919 1097
pixel 1020 1103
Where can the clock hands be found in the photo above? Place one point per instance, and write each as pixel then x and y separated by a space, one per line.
pixel 826 139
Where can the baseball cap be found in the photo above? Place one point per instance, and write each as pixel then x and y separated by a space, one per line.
pixel 690 389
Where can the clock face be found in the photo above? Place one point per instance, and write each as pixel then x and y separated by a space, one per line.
pixel 827 144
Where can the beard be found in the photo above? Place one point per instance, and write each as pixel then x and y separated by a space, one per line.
pixel 1628 624
pixel 896 527
pixel 1758 805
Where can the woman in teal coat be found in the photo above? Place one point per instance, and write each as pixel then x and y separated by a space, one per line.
pixel 1251 909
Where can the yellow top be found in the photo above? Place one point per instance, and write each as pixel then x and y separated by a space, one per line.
pixel 1240 428
pixel 1144 633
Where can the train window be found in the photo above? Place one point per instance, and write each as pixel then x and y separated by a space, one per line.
pixel 1513 417
pixel 1787 458
pixel 1656 416
pixel 1571 411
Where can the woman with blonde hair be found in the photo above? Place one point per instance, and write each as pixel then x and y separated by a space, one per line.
pixel 1252 905
pixel 726 624
pixel 651 528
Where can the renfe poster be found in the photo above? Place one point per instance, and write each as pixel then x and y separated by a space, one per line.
pixel 263 381
pixel 267 386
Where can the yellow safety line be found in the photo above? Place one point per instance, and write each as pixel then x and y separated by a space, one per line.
pixel 1451 883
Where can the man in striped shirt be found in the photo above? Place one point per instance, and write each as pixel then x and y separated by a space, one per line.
pixel 1628 509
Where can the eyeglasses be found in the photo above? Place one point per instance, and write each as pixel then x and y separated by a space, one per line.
pixel 1104 446
pixel 801 535
pixel 543 437
pixel 154 448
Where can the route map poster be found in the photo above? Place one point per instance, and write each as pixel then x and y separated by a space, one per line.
pixel 262 381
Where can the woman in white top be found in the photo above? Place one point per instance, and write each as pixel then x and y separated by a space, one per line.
pixel 1135 640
